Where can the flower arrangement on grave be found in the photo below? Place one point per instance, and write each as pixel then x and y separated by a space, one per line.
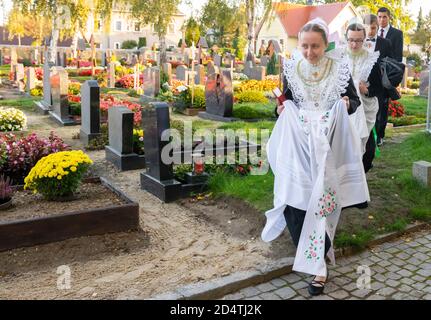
pixel 250 96
pixel 138 141
pixel 127 81
pixel 12 119
pixel 74 88
pixel 257 85
pixel 183 99
pixel 58 175
pixel 36 92
pixel 396 109
pixel 108 101
pixel 6 190
pixel 19 154
pixel 39 73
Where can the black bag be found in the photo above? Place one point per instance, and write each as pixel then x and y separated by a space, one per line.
pixel 392 75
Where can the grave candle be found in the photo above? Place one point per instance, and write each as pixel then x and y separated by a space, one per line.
pixel 198 163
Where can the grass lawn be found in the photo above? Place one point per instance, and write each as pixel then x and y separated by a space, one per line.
pixel 396 198
pixel 253 110
pixel 24 103
pixel 82 78
pixel 415 106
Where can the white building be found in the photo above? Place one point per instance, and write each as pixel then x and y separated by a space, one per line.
pixel 124 27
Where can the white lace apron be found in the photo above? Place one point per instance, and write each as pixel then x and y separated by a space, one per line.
pixel 365 116
pixel 317 164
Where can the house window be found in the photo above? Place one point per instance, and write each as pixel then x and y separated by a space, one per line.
pixel 137 27
pixel 171 28
pixel 118 26
pixel 117 45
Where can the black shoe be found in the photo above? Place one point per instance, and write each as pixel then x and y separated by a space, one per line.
pixel 316 288
pixel 362 205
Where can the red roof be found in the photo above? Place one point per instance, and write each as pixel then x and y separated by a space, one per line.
pixel 26 41
pixel 293 17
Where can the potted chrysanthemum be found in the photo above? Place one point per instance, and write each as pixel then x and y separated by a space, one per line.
pixel 58 175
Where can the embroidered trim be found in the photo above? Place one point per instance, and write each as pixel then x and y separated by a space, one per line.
pixel 335 86
pixel 371 60
pixel 327 204
pixel 315 246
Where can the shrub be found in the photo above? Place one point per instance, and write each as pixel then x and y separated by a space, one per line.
pixel 142 42
pixel 19 154
pixel 251 96
pixel 129 44
pixel 59 174
pixel 184 98
pixel 6 190
pixel 12 119
pixel 415 85
pixel 406 121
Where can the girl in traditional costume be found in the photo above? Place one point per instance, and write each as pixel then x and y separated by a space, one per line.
pixel 366 77
pixel 314 153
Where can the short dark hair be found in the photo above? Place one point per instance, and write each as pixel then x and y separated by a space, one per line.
pixel 384 9
pixel 356 27
pixel 370 19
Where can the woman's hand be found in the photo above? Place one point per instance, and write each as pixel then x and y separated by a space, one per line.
pixel 347 100
pixel 363 88
pixel 280 109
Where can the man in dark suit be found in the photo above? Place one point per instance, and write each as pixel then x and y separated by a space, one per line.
pixel 375 43
pixel 390 33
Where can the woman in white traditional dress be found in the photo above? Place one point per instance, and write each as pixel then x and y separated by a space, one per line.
pixel 366 77
pixel 314 153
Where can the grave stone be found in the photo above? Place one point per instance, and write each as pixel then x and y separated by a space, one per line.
pixel 19 77
pixel 219 97
pixel 111 75
pixel 90 111
pixel 151 81
pixel 200 75
pixel 31 80
pixel 60 104
pixel 181 72
pixel 167 69
pixel 422 172
pixel 159 176
pixel 120 148
pixel 217 60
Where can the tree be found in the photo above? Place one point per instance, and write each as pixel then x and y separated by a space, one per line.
pixel 420 20
pixel 193 32
pixel 159 13
pixel 15 26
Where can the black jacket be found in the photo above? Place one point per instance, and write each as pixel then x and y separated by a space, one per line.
pixel 384 46
pixel 375 80
pixel 397 41
pixel 350 92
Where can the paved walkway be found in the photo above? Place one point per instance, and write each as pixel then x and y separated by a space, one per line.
pixel 399 270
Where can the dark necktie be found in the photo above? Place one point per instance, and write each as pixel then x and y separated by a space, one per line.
pixel 382 33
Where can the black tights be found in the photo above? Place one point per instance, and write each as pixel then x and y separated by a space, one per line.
pixel 295 220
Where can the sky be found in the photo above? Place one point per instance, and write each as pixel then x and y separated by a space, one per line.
pixel 413 7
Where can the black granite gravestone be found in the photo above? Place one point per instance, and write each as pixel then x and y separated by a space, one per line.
pixel 159 177
pixel 90 111
pixel 120 149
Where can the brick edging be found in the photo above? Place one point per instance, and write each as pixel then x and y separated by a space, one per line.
pixel 217 288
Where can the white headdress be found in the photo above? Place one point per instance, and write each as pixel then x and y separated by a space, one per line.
pixel 321 23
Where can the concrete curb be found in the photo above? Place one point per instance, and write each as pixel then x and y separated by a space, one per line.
pixel 217 288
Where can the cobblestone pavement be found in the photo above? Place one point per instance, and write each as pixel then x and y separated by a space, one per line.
pixel 400 270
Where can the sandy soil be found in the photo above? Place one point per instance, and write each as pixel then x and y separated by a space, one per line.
pixel 27 205
pixel 179 243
